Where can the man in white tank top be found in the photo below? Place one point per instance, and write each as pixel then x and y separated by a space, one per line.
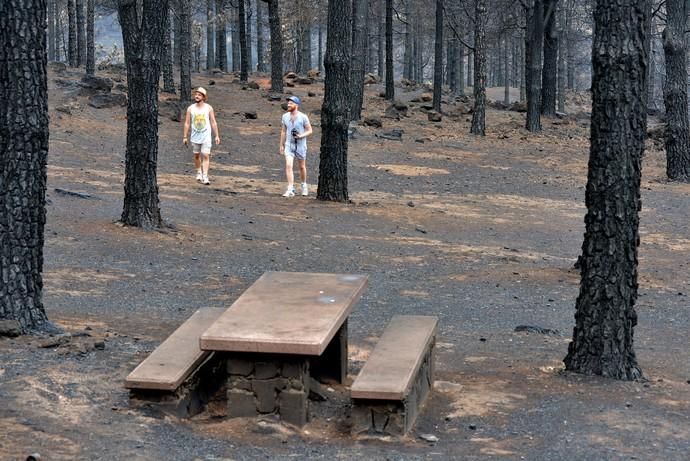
pixel 202 120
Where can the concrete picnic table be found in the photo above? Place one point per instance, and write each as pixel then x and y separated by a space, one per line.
pixel 283 330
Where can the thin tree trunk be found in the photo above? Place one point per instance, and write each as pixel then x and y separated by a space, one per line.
pixel 210 35
pixel 407 57
pixel 185 42
pixel 334 111
pixel 562 67
pixel 549 71
pixel 677 137
pixel 235 39
pixel 605 314
pixel 60 36
pixel 167 59
pixel 523 67
pixel 244 55
pixel 276 46
pixel 535 34
pixel 260 61
pixel 381 38
pixel 571 46
pixel 452 64
pixel 461 70
pixel 72 19
pixel 23 161
pixel 479 112
pixel 390 88
pixel 90 44
pixel 358 52
pixel 470 68
pixel 52 38
pixel 438 58
pixel 81 32
pixel 506 74
pixel 221 37
pixel 320 58
pixel 651 74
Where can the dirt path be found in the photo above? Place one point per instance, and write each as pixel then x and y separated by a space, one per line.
pixel 482 232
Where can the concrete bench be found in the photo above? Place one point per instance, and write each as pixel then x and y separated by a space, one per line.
pixel 388 393
pixel 176 376
pixel 285 330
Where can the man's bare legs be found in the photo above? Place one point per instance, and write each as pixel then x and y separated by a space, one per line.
pixel 302 170
pixel 288 171
pixel 197 165
pixel 205 161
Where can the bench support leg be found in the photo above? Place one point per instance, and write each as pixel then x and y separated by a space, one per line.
pixel 395 417
pixel 268 383
pixel 331 366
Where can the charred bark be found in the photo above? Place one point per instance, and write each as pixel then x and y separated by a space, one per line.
pixel 221 37
pixel 535 39
pixel 90 44
pixel 438 58
pixel 23 161
pixel 210 35
pixel 244 54
pixel 359 41
pixel 143 45
pixel 185 17
pixel 72 49
pixel 390 88
pixel 550 69
pixel 479 112
pixel 335 117
pixel 276 46
pixel 677 138
pixel 605 314
pixel 167 67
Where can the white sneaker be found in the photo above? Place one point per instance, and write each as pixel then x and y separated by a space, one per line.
pixel 305 189
pixel 205 181
pixel 199 176
pixel 290 192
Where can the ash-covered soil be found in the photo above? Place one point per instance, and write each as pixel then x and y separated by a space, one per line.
pixel 482 232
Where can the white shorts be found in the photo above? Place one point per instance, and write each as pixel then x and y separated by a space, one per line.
pixel 204 148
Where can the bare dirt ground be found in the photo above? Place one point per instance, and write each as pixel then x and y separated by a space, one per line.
pixel 482 232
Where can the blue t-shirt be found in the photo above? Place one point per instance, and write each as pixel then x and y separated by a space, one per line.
pixel 300 123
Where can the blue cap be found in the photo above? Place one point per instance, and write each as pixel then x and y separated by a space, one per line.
pixel 295 99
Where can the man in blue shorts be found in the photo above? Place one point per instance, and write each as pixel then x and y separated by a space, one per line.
pixel 293 144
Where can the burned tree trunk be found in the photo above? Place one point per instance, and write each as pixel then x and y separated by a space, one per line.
pixel 605 315
pixel 359 46
pixel 244 55
pixel 438 58
pixel 81 33
pixel 221 37
pixel 143 44
pixel 90 44
pixel 167 59
pixel 390 88
pixel 335 117
pixel 210 36
pixel 550 69
pixel 479 113
pixel 23 160
pixel 534 42
pixel 276 46
pixel 185 17
pixel 676 92
pixel 72 49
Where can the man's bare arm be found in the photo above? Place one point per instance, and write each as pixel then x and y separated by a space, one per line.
pixel 214 125
pixel 187 124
